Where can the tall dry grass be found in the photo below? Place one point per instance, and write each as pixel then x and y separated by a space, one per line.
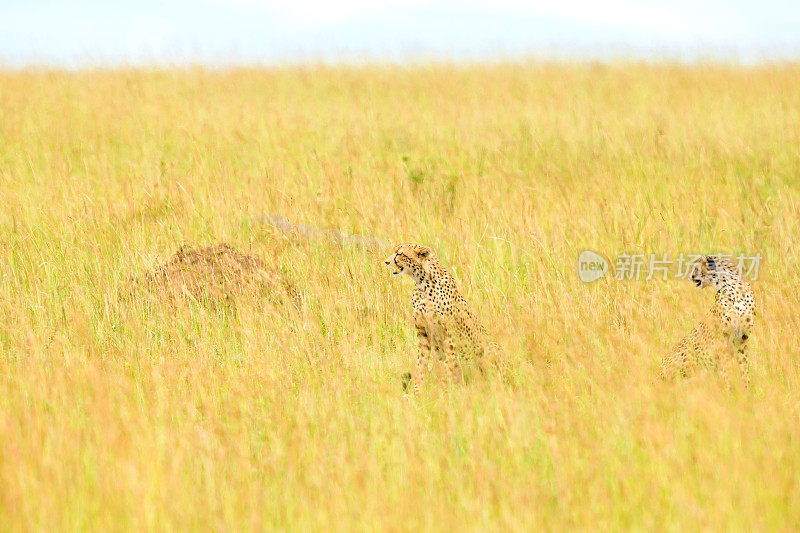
pixel 120 415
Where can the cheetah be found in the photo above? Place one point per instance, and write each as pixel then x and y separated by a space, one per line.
pixel 448 334
pixel 720 338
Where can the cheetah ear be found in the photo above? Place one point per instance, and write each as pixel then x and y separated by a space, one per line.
pixel 712 263
pixel 424 252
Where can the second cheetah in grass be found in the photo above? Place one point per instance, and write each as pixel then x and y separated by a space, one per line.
pixel 720 338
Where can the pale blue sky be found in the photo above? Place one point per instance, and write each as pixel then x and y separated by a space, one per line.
pixel 219 32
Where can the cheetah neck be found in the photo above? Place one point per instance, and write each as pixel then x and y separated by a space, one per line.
pixel 729 283
pixel 434 275
pixel 731 288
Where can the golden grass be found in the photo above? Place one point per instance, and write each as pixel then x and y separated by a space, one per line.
pixel 127 417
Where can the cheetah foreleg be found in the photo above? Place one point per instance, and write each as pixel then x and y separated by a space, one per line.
pixel 423 356
pixel 741 358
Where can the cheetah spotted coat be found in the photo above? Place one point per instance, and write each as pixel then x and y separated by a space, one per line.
pixel 720 338
pixel 448 334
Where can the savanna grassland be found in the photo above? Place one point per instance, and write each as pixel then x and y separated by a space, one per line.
pixel 121 412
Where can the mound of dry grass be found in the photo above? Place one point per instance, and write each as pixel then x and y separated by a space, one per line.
pixel 214 275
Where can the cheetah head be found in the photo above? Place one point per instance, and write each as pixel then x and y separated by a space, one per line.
pixel 409 259
pixel 708 269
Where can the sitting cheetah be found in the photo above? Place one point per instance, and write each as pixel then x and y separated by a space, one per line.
pixel 721 336
pixel 446 329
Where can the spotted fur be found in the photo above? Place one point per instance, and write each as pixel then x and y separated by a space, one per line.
pixel 720 338
pixel 448 334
